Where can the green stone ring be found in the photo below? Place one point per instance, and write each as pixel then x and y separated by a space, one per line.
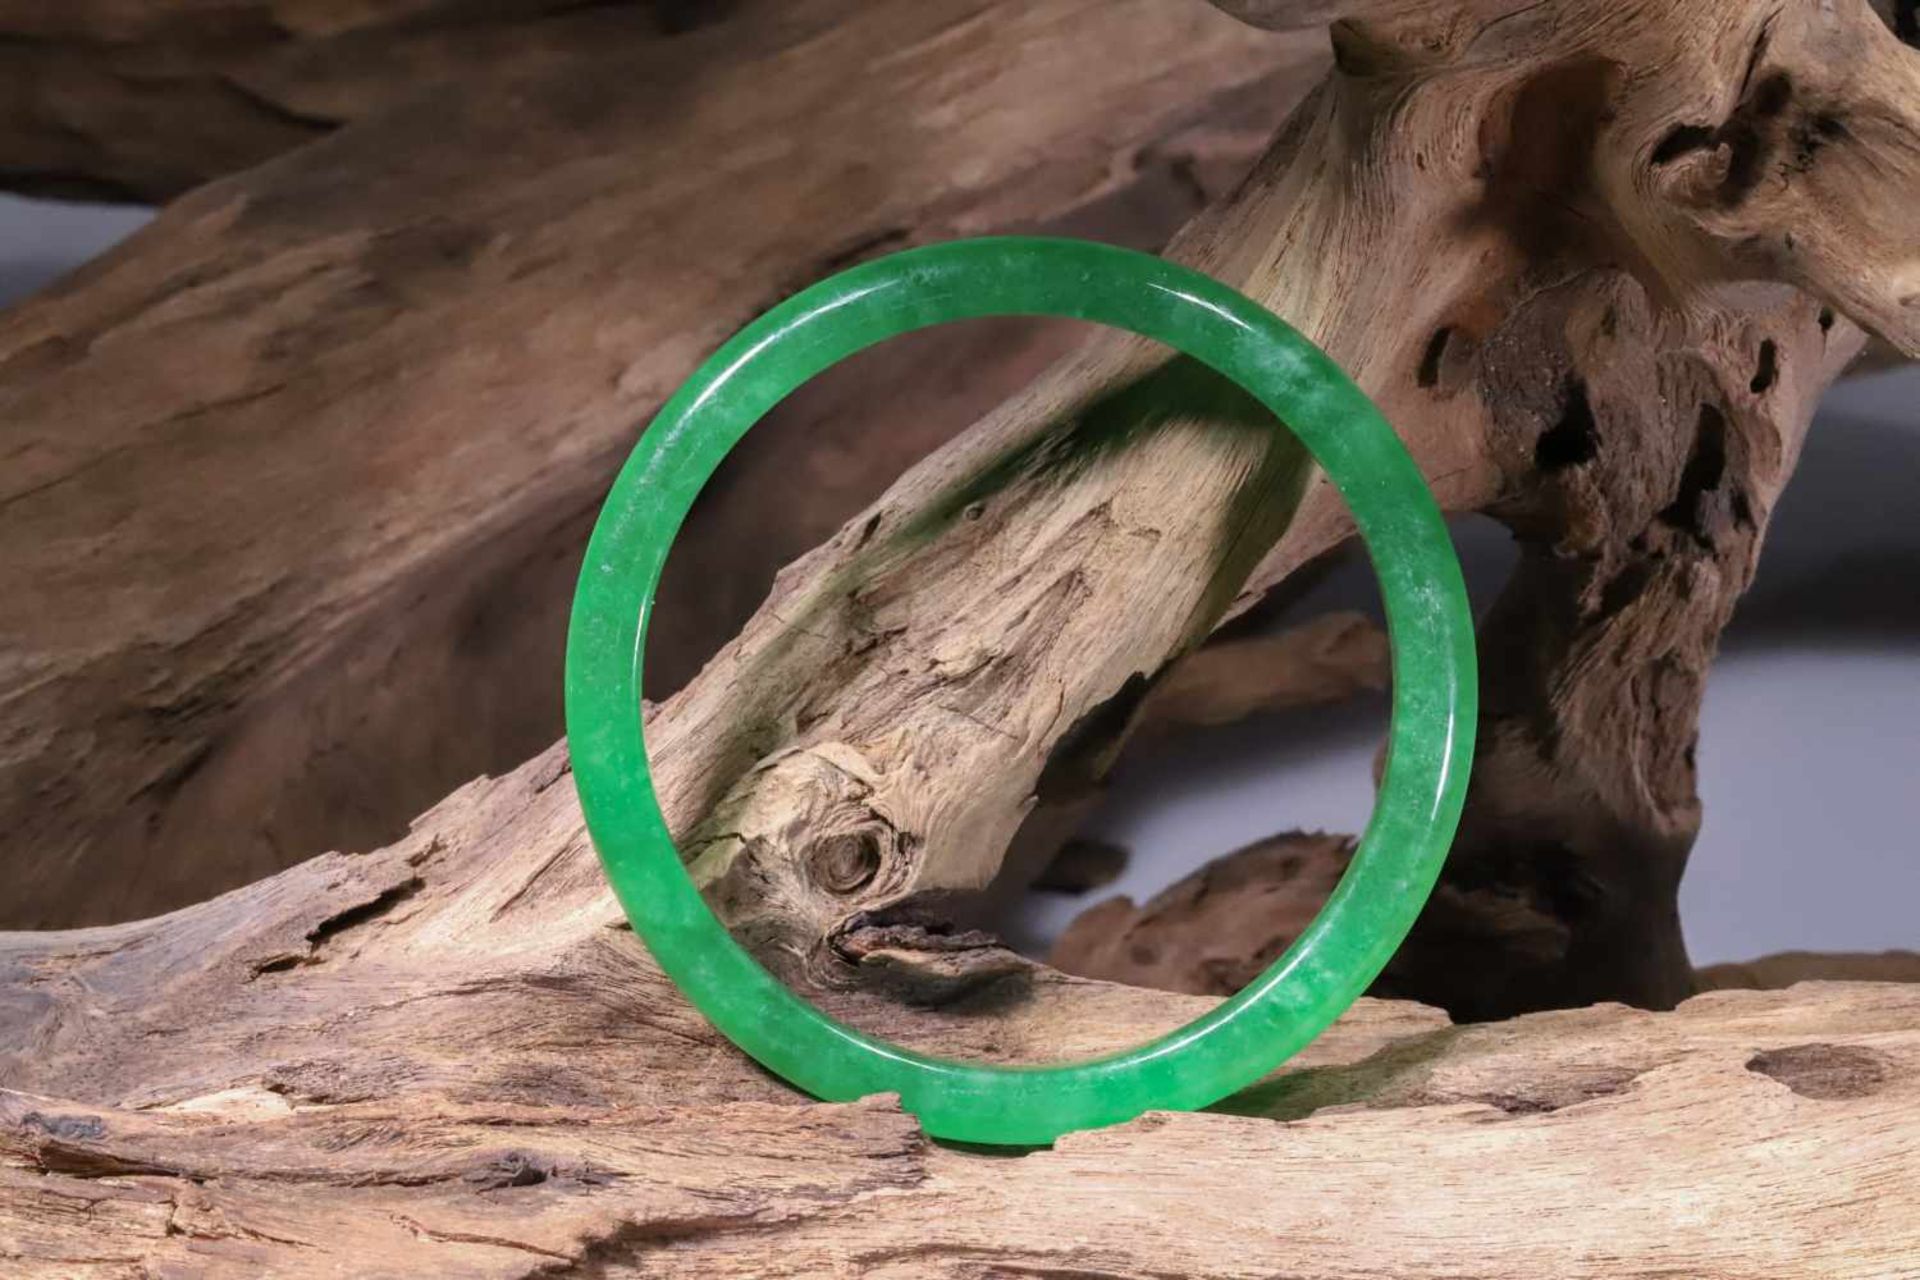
pixel 1434 691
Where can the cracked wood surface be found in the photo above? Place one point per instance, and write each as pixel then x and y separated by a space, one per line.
pixel 1611 246
pixel 1609 240
pixel 1592 317
pixel 447 1057
pixel 299 475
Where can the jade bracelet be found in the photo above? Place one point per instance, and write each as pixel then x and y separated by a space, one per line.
pixel 1430 746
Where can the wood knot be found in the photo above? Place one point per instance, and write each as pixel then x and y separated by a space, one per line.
pixel 846 861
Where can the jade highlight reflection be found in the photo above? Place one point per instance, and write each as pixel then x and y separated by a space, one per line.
pixel 1431 744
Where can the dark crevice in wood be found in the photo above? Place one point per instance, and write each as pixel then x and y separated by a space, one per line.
pixel 1574 439
pixel 1706 467
pixel 872 245
pixel 1750 138
pixel 1682 140
pixel 1767 369
pixel 1081 756
pixel 1429 374
pixel 1625 587
pixel 334 925
pixel 321 934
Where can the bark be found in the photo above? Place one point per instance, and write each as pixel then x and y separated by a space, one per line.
pixel 448 1057
pixel 405 360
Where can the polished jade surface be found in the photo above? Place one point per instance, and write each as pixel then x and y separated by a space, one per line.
pixel 1434 691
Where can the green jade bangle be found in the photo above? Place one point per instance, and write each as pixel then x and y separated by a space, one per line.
pixel 1420 795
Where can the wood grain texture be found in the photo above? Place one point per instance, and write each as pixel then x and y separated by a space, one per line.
pixel 1585 341
pixel 444 1058
pixel 1596 260
pixel 106 100
pixel 298 476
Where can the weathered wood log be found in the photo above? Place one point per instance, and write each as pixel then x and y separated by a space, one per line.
pixel 1325 659
pixel 1497 371
pixel 1774 972
pixel 144 102
pixel 1210 932
pixel 448 1057
pixel 1595 316
pixel 297 477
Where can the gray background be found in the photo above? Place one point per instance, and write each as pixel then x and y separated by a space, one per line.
pixel 1807 748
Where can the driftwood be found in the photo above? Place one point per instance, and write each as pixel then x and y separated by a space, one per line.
pixel 1596 260
pixel 1210 932
pixel 104 100
pixel 1586 372
pixel 443 1058
pixel 1772 973
pixel 1561 293
pixel 346 633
